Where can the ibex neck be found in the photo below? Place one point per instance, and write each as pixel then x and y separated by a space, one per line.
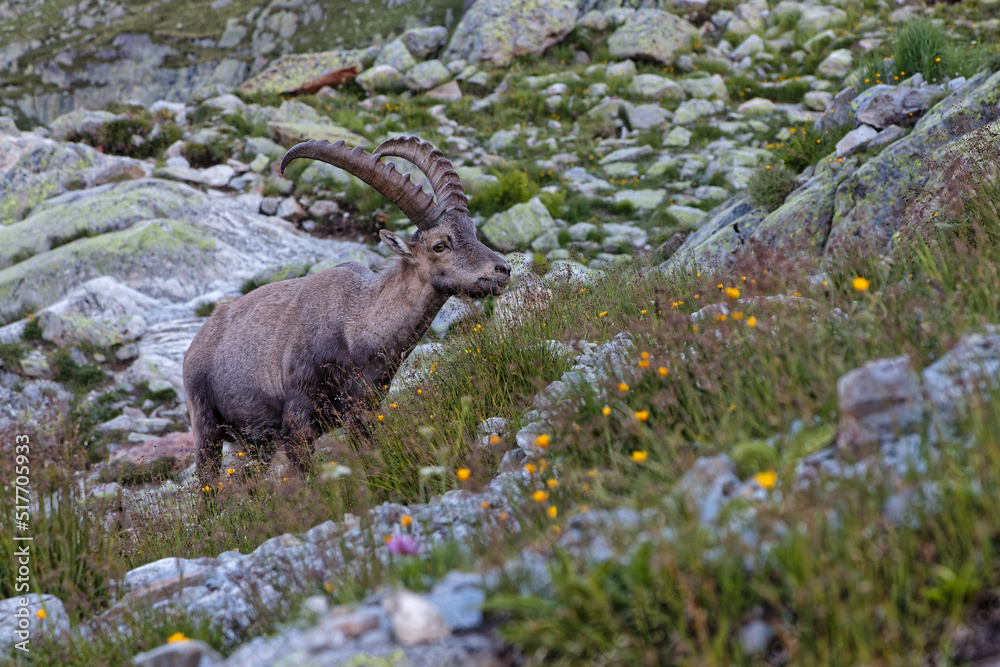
pixel 408 305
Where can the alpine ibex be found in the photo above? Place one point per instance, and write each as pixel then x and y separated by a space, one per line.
pixel 294 355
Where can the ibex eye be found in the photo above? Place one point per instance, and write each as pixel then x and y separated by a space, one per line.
pixel 439 247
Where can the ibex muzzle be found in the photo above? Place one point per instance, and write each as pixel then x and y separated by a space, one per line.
pixel 293 356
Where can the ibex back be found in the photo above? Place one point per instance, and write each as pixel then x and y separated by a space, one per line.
pixel 293 356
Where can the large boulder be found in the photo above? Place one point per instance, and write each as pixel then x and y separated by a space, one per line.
pixel 518 226
pixel 654 35
pixel 396 55
pixel 843 203
pixel 498 31
pixel 425 42
pixel 902 106
pixel 166 240
pixel 380 79
pixel 32 169
pixel 426 75
pixel 307 72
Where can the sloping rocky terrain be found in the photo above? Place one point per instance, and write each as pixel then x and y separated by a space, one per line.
pixel 614 151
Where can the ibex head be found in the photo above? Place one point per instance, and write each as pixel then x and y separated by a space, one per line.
pixel 445 250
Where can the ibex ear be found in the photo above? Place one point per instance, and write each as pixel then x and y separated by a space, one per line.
pixel 395 243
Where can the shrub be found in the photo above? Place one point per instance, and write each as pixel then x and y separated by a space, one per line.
pixel 745 88
pixel 807 145
pixel 204 308
pixel 32 330
pixel 513 187
pixel 216 151
pixel 769 186
pixel 77 376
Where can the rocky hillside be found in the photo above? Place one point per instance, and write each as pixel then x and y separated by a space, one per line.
pixel 738 404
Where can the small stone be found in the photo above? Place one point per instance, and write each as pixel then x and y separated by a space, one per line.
pixel 836 65
pixel 449 92
pixel 324 208
pixel 35 364
pixel 426 75
pixel 816 100
pixel 269 205
pixel 758 106
pixel 877 403
pixel 691 110
pixel 414 620
pixel 127 352
pixel 184 653
pixel 856 140
pixel 678 137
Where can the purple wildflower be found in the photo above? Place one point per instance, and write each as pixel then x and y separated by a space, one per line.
pixel 402 545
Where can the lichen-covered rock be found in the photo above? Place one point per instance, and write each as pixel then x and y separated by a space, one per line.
pixel 691 110
pixel 80 122
pixel 863 208
pixel 518 226
pixel 653 34
pixel 307 72
pixel 836 65
pixel 902 105
pixel 396 55
pixel 424 42
pixel 498 31
pixel 641 199
pixel 426 75
pixel 707 87
pixel 289 134
pixel 655 86
pixel 965 375
pixel 84 213
pixel 855 141
pixel 817 18
pixel 184 653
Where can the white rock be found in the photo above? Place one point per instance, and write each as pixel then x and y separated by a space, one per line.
pixel 414 619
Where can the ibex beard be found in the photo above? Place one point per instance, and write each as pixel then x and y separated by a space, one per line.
pixel 293 357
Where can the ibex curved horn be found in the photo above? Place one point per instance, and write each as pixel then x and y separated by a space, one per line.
pixel 415 204
pixel 444 180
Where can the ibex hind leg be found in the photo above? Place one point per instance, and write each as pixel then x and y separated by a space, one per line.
pixel 298 434
pixel 207 443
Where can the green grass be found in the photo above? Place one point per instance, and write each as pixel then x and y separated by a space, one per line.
pixel 769 186
pixel 808 145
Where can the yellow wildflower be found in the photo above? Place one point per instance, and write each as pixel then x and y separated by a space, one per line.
pixel 406 520
pixel 767 479
pixel 606 411
pixel 622 387
pixel 733 293
pixel 540 496
pixel 639 456
pixel 463 474
pixel 860 284
pixel 552 511
pixel 642 415
pixel 41 614
pixel 542 440
pixel 751 321
pixel 176 637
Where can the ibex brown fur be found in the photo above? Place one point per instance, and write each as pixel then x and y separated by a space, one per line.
pixel 295 355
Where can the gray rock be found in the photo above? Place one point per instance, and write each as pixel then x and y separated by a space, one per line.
pixel 655 86
pixel 963 376
pixel 455 309
pixel 426 75
pixel 414 619
pixel 498 31
pixel 708 485
pixel 20 622
pixel 817 100
pixel 752 45
pixel 518 226
pixel 646 116
pixel 459 597
pixel 653 34
pixel 626 68
pixel 80 123
pixel 708 87
pixel 878 403
pixel 641 199
pixel 184 653
pixel 818 18
pixel 691 110
pixel 839 112
pixel 901 106
pixel 758 106
pixel 755 637
pixel 448 92
pixel 678 137
pixel 35 364
pixel 424 42
pixel 686 216
pixel 395 55
pixel 887 136
pixel 856 140
pixel 291 209
pixel 836 65
pixel 234 33
pixel 627 154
